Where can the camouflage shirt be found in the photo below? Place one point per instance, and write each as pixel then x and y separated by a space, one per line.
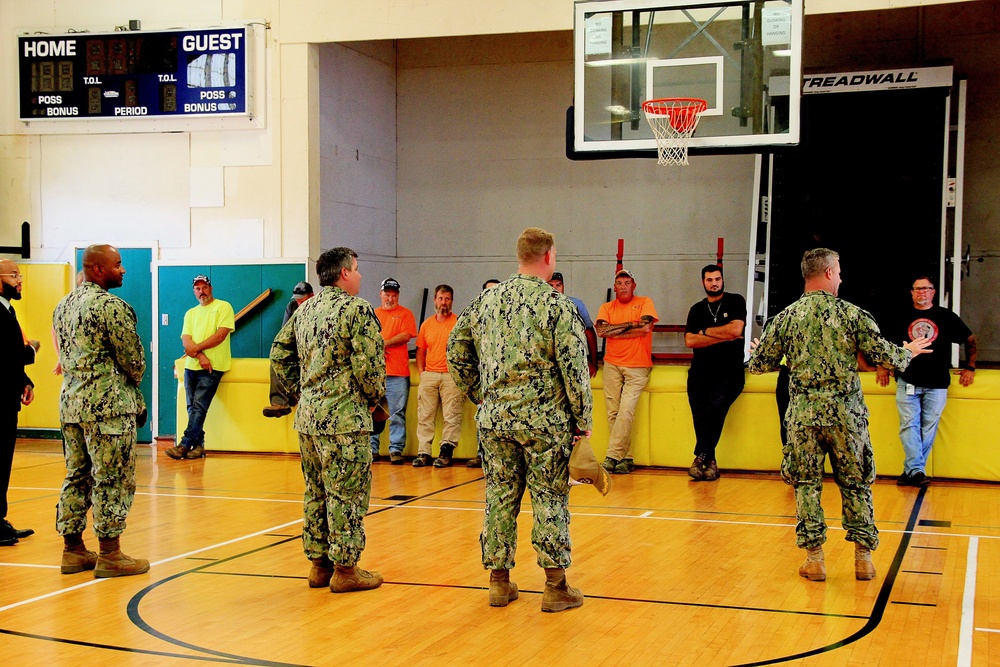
pixel 820 337
pixel 519 352
pixel 101 355
pixel 331 354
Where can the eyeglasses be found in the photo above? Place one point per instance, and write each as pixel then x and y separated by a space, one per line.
pixel 922 289
pixel 14 275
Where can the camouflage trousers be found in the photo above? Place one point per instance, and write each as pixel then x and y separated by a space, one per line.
pixel 536 460
pixel 100 473
pixel 853 465
pixel 338 474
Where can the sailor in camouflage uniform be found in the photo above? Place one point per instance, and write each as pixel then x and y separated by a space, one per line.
pixel 102 362
pixel 330 356
pixel 519 352
pixel 821 336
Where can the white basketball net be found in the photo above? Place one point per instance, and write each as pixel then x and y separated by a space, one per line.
pixel 673 122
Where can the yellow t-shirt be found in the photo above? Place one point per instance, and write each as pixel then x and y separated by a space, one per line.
pixel 200 323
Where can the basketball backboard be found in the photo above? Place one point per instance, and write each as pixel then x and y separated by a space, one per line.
pixel 743 57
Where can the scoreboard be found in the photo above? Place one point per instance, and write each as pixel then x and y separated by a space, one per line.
pixel 184 73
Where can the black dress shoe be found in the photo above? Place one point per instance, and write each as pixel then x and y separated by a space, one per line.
pixel 7 540
pixel 11 530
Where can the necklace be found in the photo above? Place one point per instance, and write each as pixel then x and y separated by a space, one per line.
pixel 715 315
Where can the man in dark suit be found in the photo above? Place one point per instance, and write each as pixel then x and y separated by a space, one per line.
pixel 15 387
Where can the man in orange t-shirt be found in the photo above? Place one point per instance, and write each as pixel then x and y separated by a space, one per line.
pixel 627 325
pixel 398 327
pixel 436 386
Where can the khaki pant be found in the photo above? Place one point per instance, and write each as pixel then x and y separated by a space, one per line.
pixel 438 389
pixel 622 388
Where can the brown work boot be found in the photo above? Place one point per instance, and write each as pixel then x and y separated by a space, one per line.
pixel 176 452
pixel 502 590
pixel 353 578
pixel 113 563
pixel 444 458
pixel 864 569
pixel 321 572
pixel 559 595
pixel 697 469
pixel 814 569
pixel 276 410
pixel 75 556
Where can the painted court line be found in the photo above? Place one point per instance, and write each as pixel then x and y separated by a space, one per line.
pixel 968 605
pixel 54 567
pixel 94 582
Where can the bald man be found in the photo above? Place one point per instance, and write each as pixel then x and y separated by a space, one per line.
pixel 16 388
pixel 103 361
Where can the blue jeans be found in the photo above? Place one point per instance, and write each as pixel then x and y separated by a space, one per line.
pixel 200 388
pixel 919 414
pixel 397 390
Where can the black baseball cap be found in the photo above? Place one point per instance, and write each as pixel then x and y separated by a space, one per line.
pixel 302 288
pixel 557 276
pixel 390 284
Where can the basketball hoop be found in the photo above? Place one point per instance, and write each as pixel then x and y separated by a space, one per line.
pixel 673 120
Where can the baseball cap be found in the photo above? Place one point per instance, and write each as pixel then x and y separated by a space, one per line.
pixel 557 276
pixel 624 272
pixel 584 468
pixel 302 288
pixel 390 284
pixel 201 278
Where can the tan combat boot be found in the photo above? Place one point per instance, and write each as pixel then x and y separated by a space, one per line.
pixel 559 595
pixel 321 572
pixel 502 590
pixel 864 569
pixel 814 569
pixel 113 563
pixel 75 556
pixel 353 578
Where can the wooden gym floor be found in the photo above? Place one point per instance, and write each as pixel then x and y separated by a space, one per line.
pixel 674 573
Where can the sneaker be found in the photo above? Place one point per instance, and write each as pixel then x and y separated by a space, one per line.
pixel 276 410
pixel 904 480
pixel 176 452
pixel 711 471
pixel 422 460
pixel 630 463
pixel 444 458
pixel 346 579
pixel 396 458
pixel 697 469
pixel 609 464
pixel 474 462
pixel 919 479
pixel 196 452
pixel 622 468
